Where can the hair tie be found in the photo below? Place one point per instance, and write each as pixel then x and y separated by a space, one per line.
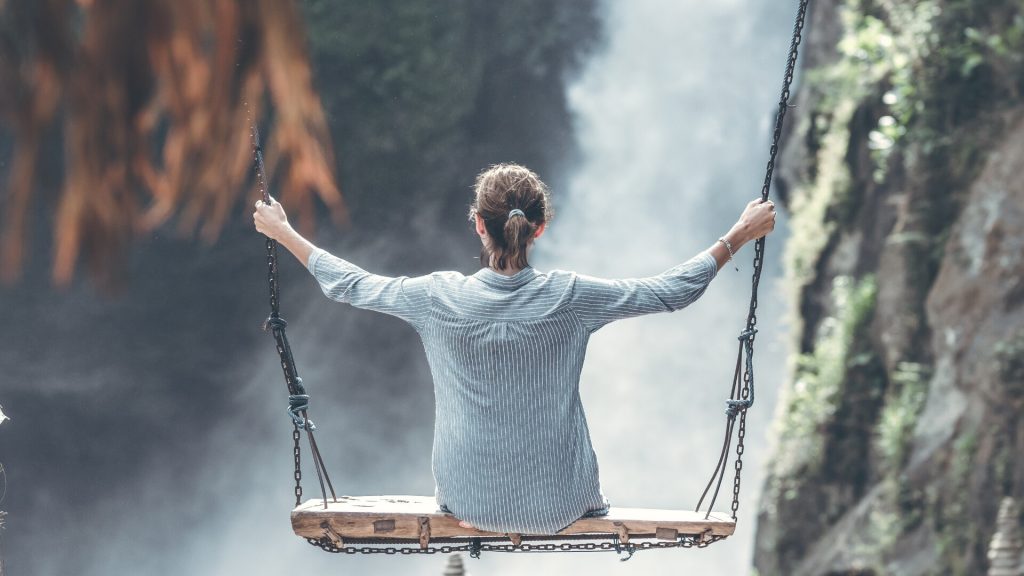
pixel 516 212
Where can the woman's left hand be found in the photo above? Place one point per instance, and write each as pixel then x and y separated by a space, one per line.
pixel 270 219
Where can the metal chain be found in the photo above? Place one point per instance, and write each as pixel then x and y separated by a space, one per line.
pixel 297 452
pixel 276 325
pixel 748 376
pixel 737 406
pixel 475 546
pixel 272 272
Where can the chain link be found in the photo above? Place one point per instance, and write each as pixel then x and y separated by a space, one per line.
pixel 297 452
pixel 475 546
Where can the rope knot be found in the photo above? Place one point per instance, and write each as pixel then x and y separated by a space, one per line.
pixel 733 407
pixel 747 334
pixel 274 323
pixel 298 403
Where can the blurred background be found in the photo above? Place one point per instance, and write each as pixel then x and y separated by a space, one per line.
pixel 148 431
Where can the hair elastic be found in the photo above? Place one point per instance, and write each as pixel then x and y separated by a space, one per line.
pixel 516 212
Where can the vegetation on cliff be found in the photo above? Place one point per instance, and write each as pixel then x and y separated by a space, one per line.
pixel 896 128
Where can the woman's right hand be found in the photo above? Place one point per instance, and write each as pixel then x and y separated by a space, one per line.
pixel 757 220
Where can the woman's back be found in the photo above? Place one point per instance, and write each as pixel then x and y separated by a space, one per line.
pixel 511 448
pixel 512 451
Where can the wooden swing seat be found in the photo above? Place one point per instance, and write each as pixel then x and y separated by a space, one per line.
pixel 418 519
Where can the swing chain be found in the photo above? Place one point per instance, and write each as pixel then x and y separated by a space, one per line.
pixel 297 452
pixel 787 81
pixel 475 546
pixel 748 374
pixel 741 396
pixel 298 400
pixel 272 276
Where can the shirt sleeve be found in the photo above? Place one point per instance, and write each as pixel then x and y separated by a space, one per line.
pixel 598 301
pixel 404 297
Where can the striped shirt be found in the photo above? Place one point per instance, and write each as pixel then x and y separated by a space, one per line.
pixel 512 451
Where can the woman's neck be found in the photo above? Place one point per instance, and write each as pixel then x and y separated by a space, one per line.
pixel 508 271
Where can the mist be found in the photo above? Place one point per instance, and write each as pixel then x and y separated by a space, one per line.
pixel 166 456
pixel 673 119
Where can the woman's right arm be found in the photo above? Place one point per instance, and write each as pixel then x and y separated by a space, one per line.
pixel 598 301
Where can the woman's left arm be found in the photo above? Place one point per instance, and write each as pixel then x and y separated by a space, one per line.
pixel 404 297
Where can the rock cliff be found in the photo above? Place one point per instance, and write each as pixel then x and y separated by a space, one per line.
pixel 899 429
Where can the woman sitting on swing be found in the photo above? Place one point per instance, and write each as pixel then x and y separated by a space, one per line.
pixel 512 451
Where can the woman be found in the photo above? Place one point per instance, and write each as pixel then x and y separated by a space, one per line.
pixel 512 451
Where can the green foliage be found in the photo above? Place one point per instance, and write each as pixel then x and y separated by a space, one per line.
pixel 810 227
pixel 879 51
pixel 899 416
pixel 951 521
pixel 898 507
pixel 938 63
pixel 896 510
pixel 995 44
pixel 399 74
pixel 885 527
pixel 819 376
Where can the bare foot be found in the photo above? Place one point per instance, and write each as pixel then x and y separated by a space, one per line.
pixel 466 525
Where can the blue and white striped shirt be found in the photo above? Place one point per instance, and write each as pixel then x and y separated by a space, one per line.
pixel 512 451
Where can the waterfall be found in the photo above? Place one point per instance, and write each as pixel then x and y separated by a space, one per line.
pixel 673 119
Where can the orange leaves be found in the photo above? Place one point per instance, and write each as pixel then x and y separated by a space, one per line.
pixel 157 98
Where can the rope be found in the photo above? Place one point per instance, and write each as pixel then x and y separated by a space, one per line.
pixel 298 400
pixel 742 394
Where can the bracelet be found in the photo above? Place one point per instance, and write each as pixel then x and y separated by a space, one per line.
pixel 728 246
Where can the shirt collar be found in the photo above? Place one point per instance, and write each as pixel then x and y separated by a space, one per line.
pixel 496 279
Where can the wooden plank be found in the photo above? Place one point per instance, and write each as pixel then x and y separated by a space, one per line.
pixel 402 517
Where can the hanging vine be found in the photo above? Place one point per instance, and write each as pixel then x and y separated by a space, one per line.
pixel 148 97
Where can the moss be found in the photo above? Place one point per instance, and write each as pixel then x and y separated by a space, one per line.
pixel 819 375
pixel 873 53
pixel 897 510
pixel 955 530
pixel 880 48
pixel 884 528
pixel 809 226
pixel 908 390
pixel 925 66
